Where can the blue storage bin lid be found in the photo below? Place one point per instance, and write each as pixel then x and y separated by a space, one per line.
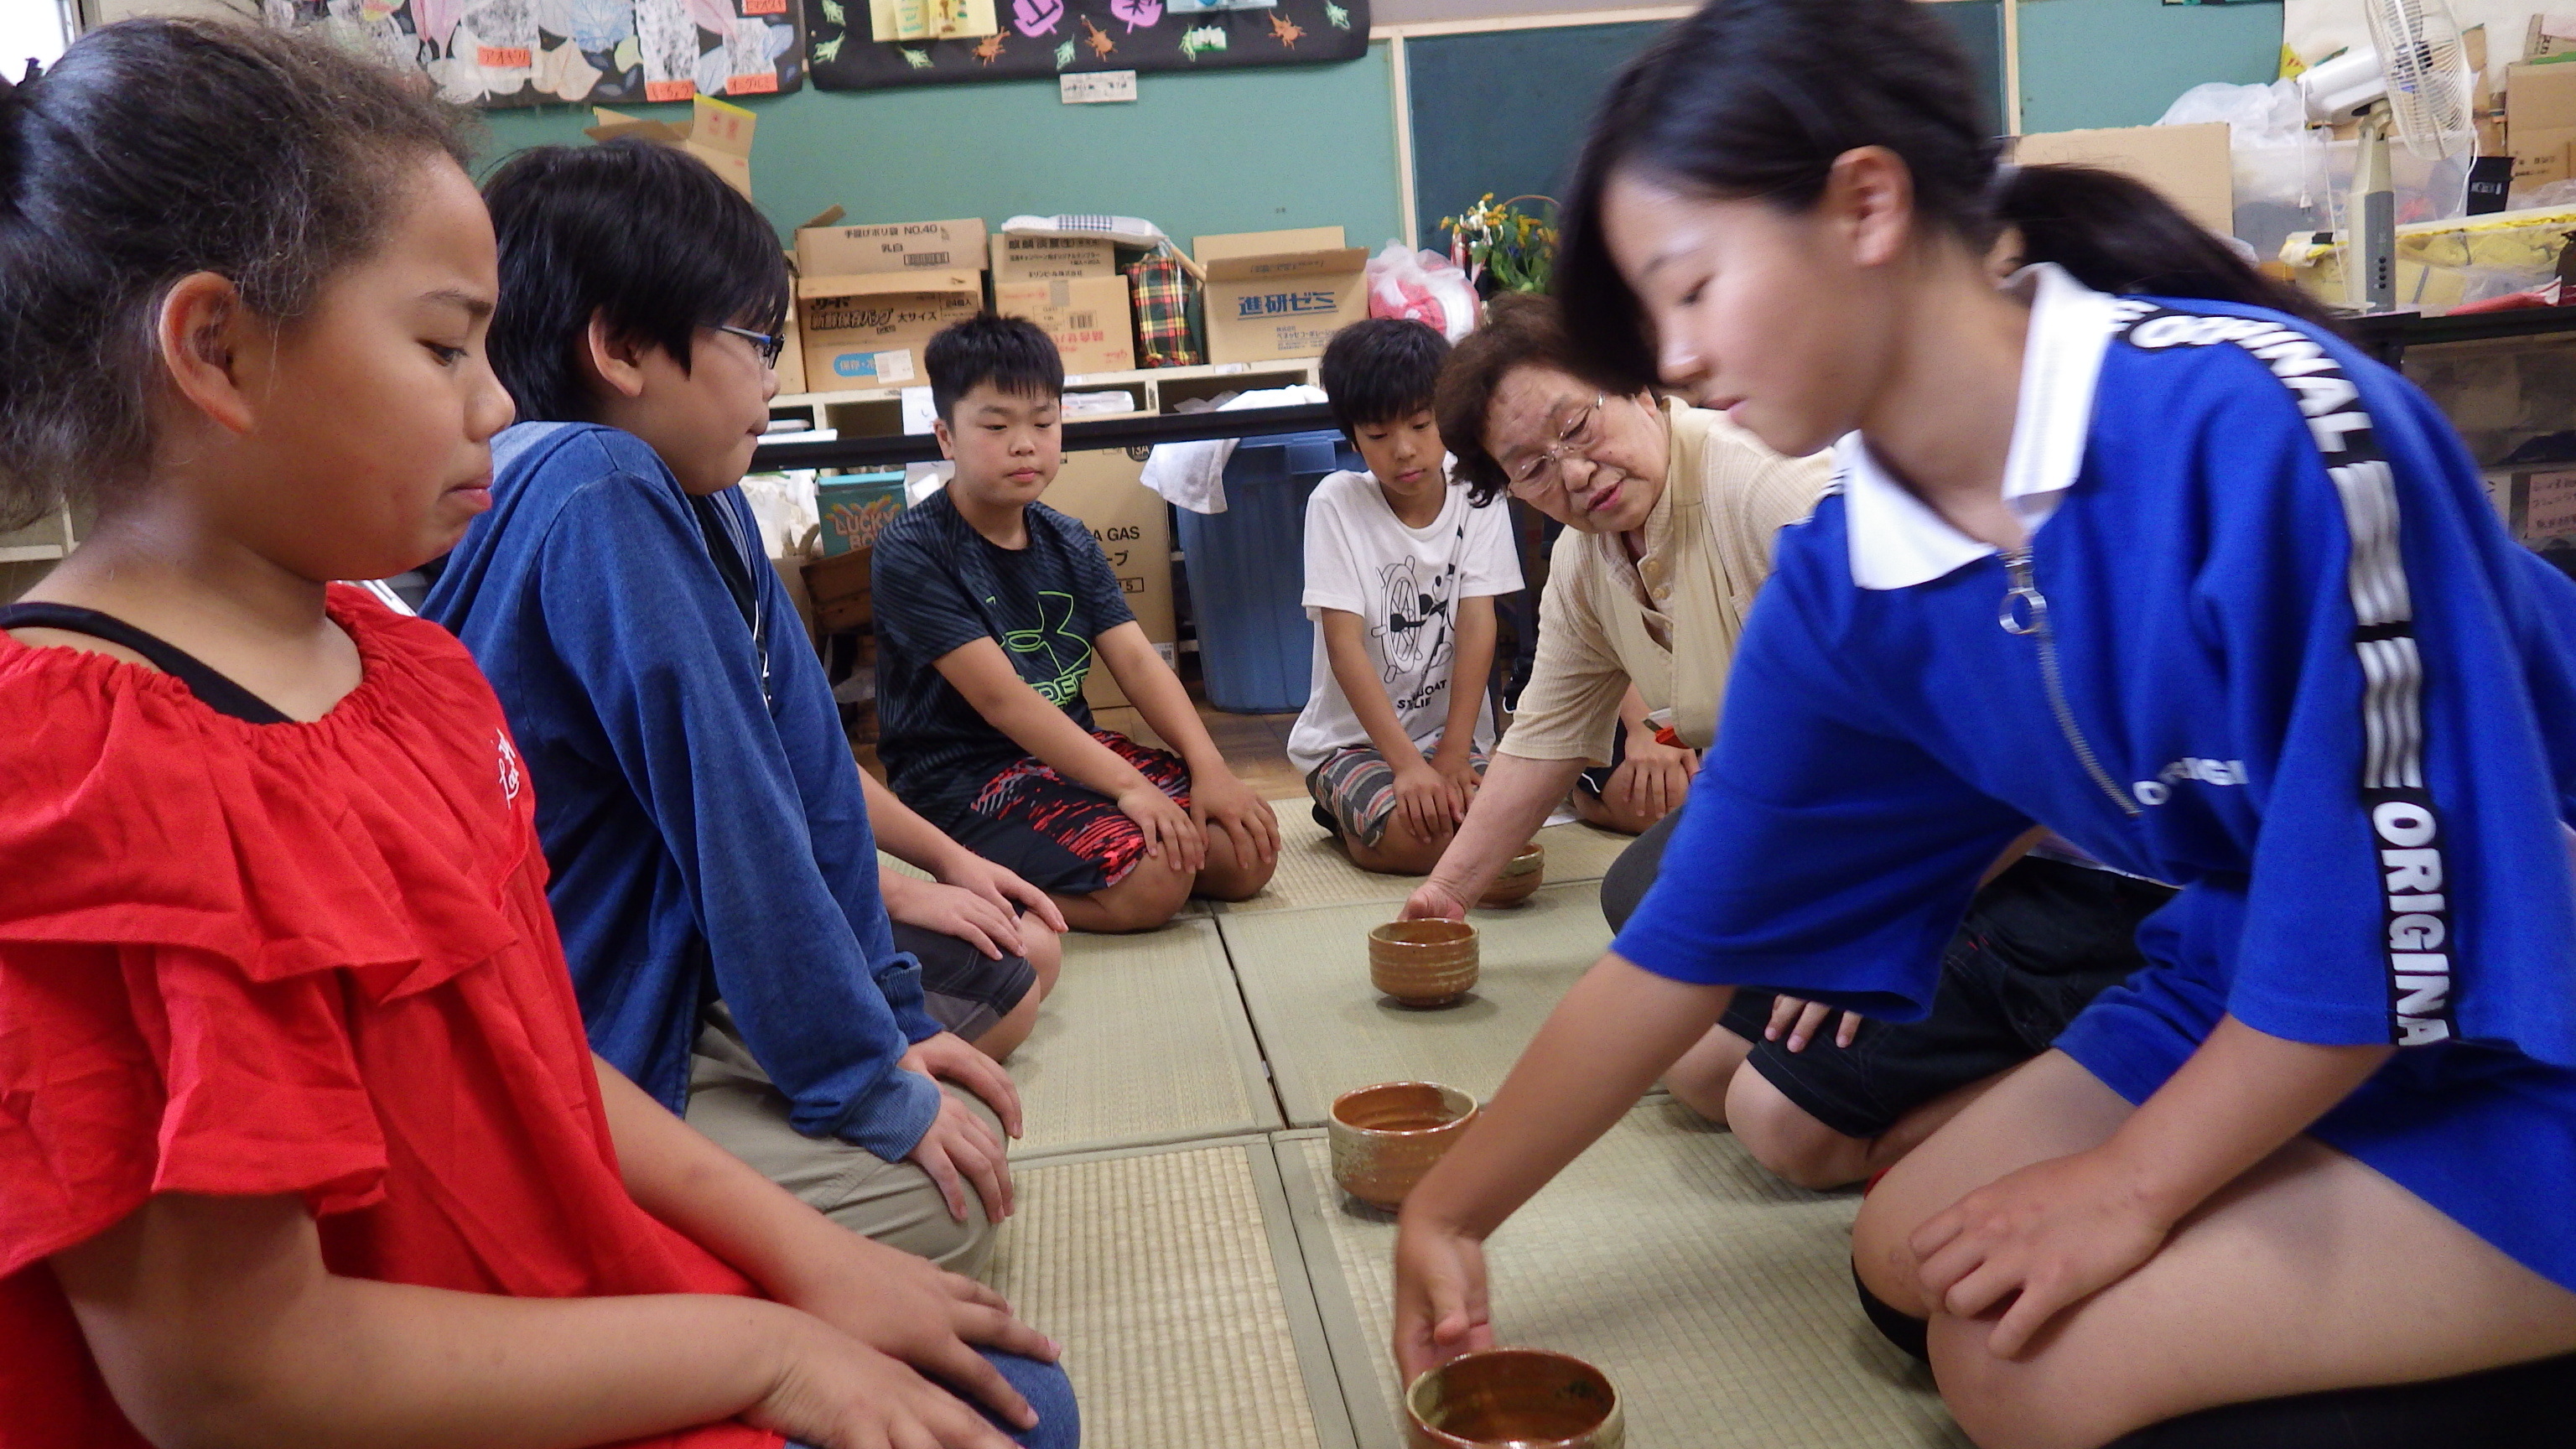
pixel 1296 453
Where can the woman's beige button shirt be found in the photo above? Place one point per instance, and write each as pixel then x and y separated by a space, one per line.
pixel 1668 622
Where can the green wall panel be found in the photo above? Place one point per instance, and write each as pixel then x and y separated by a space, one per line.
pixel 2121 62
pixel 1242 150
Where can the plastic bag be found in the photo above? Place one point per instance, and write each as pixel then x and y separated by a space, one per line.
pixel 2278 167
pixel 1424 286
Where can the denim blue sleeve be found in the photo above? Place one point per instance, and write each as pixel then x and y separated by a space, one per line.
pixel 636 611
pixel 836 808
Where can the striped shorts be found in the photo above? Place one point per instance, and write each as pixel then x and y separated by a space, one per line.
pixel 1058 834
pixel 1355 787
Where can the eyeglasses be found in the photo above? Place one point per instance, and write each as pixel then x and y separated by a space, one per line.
pixel 767 344
pixel 1542 474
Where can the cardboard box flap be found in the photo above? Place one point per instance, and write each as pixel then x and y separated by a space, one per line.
pixel 608 125
pixel 827 217
pixel 2188 165
pixel 1268 243
pixel 721 126
pixel 869 283
pixel 2539 97
pixel 1292 264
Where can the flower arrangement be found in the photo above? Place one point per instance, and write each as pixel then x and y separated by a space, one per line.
pixel 1516 248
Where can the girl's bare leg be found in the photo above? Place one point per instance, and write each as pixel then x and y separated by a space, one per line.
pixel 2311 1272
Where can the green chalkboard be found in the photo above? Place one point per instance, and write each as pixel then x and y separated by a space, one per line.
pixel 1504 111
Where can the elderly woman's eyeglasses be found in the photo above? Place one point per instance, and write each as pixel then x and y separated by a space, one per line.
pixel 1541 474
pixel 767 344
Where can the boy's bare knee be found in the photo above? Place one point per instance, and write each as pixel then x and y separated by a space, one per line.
pixel 1398 852
pixel 1785 1138
pixel 1151 895
pixel 1043 949
pixel 1227 876
pixel 1883 1253
pixel 1596 810
pixel 1005 1036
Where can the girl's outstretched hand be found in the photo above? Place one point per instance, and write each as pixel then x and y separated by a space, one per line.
pixel 1440 1309
pixel 2055 1233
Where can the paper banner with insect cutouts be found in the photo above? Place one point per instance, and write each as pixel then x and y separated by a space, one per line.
pixel 500 53
pixel 872 44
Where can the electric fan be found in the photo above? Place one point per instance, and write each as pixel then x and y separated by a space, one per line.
pixel 2413 78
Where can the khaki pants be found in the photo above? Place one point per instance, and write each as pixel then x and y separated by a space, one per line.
pixel 732 1101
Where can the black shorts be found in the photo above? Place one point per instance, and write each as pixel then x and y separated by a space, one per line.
pixel 963 989
pixel 1595 779
pixel 2039 943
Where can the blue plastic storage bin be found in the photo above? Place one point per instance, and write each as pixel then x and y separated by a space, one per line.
pixel 1247 572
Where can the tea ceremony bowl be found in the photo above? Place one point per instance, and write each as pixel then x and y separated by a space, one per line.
pixel 1523 874
pixel 1423 963
pixel 1513 1398
pixel 1384 1138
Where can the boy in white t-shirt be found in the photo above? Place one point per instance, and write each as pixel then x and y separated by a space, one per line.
pixel 1401 571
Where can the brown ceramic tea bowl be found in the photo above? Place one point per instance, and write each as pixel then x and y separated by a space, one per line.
pixel 1384 1138
pixel 1513 1398
pixel 1523 874
pixel 1423 963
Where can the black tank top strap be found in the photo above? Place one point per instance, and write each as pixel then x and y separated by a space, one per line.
pixel 213 690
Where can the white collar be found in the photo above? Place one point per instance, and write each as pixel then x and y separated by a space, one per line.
pixel 1897 541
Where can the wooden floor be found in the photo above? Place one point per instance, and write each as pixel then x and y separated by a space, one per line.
pixel 1255 745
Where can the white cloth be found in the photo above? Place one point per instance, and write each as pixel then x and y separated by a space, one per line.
pixel 1897 541
pixel 1192 475
pixel 1405 584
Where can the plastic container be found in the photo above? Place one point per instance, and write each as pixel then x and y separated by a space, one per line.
pixel 1247 572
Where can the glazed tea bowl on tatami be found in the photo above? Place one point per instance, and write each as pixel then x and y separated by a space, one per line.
pixel 1384 1138
pixel 1513 1398
pixel 1522 875
pixel 1423 963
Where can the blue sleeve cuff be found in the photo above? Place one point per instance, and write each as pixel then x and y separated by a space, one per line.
pixel 900 981
pixel 889 1120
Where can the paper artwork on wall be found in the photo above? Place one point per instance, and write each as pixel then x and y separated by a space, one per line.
pixel 871 44
pixel 501 53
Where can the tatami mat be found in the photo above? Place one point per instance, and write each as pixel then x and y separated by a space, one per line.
pixel 1716 1297
pixel 1172 1280
pixel 1143 1041
pixel 1325 1030
pixel 1313 871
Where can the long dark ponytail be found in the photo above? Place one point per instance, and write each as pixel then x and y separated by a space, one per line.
pixel 1756 98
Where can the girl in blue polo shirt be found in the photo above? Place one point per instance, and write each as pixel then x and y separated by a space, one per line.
pixel 2129 549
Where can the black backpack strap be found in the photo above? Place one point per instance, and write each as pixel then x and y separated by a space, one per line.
pixel 213 690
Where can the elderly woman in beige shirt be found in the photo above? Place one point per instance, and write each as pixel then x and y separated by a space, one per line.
pixel 1669 513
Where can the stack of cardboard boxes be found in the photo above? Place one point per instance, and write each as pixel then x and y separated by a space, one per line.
pixel 869 298
pixel 1072 289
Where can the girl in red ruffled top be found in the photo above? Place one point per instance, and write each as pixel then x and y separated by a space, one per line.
pixel 300 1142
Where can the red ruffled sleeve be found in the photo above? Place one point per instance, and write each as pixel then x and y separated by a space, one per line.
pixel 313 958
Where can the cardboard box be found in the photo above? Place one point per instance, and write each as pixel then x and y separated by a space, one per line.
pixel 2540 157
pixel 2188 164
pixel 1052 258
pixel 2541 97
pixel 1274 294
pixel 1134 527
pixel 718 133
pixel 1087 317
pixel 868 331
pixel 855 508
pixel 826 250
pixel 790 366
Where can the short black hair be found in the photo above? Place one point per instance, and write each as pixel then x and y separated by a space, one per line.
pixel 647 236
pixel 1014 354
pixel 1382 370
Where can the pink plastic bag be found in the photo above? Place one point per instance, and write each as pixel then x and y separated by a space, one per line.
pixel 1424 286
